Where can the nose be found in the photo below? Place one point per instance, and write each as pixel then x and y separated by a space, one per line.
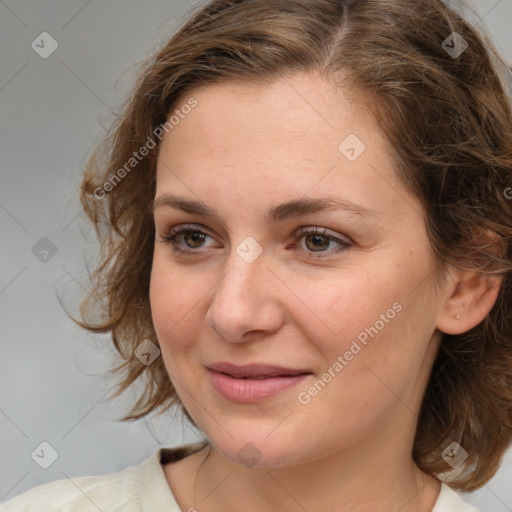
pixel 245 301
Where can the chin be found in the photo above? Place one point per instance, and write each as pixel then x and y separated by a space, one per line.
pixel 258 450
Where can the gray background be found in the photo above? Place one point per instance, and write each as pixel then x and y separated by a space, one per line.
pixel 51 115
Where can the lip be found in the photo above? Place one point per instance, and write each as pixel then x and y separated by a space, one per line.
pixel 240 384
pixel 254 370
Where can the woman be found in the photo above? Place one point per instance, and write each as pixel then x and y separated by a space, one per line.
pixel 306 237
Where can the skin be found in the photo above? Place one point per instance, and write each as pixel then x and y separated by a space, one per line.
pixel 242 150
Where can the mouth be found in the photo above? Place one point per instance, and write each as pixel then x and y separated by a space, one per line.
pixel 253 383
pixel 255 371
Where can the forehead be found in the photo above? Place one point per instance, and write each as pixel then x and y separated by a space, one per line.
pixel 302 105
pixel 292 137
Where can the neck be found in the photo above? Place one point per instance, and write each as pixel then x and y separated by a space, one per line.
pixel 371 475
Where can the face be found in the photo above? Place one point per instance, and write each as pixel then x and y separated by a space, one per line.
pixel 270 273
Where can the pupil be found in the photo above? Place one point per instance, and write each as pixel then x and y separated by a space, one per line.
pixel 196 237
pixel 317 241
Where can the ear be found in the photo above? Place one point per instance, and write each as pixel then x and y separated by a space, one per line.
pixel 473 297
pixel 469 297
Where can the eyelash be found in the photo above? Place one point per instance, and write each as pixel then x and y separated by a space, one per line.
pixel 170 238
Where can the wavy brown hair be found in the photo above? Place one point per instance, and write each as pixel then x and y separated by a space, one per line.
pixel 448 119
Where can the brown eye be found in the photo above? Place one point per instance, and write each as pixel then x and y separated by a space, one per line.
pixel 192 237
pixel 316 241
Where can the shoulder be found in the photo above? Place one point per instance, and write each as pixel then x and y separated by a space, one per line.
pixel 450 501
pixel 111 492
pixel 138 488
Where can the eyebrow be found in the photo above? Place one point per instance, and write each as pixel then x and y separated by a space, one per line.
pixel 293 208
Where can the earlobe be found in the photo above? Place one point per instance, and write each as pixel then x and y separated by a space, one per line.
pixel 473 297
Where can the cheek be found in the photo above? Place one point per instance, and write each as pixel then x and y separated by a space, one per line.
pixel 356 308
pixel 179 300
pixel 369 334
pixel 377 364
pixel 173 321
pixel 173 301
pixel 367 373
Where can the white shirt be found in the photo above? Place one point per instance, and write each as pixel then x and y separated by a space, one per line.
pixel 140 488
